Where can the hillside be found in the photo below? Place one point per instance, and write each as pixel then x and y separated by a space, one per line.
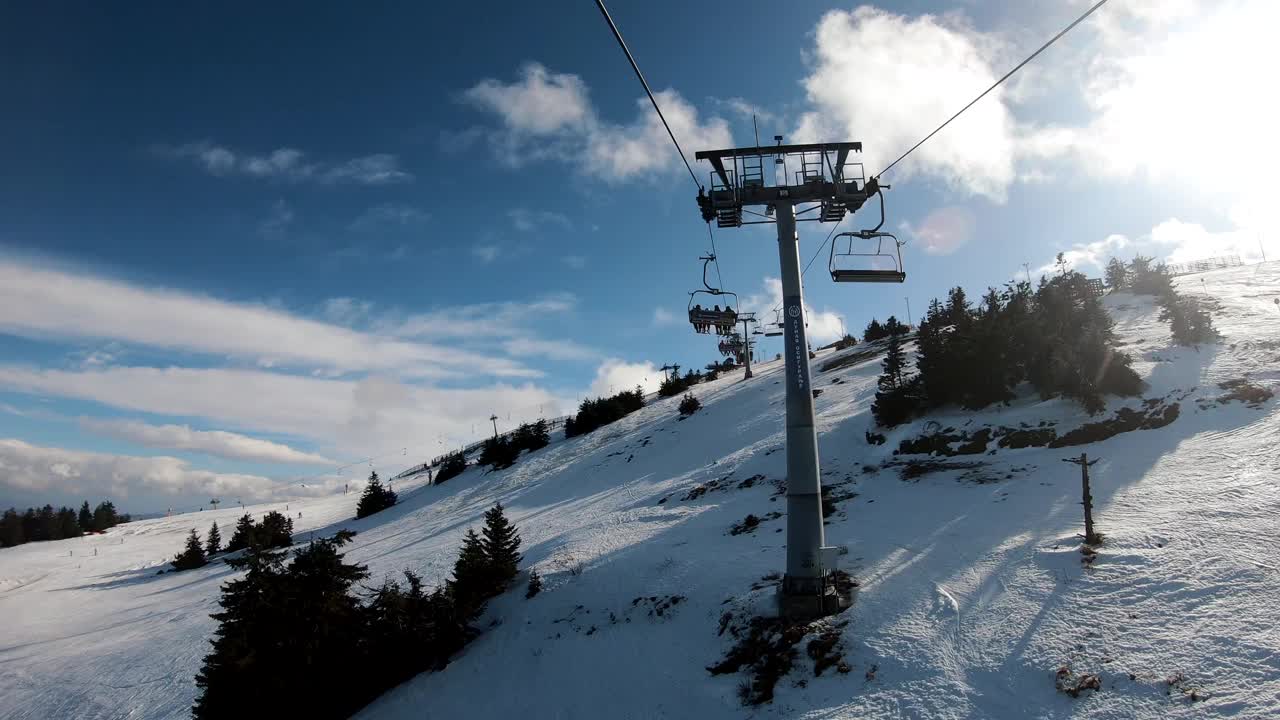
pixel 972 592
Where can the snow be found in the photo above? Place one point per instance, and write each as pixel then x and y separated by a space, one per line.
pixel 972 594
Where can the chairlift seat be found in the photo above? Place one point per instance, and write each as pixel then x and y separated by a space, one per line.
pixel 839 275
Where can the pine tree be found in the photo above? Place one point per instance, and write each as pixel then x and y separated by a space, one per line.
pixel 192 556
pixel 541 435
pixel 874 331
pixel 104 516
pixel 375 497
pixel 11 533
pixel 85 519
pixel 893 326
pixel 535 584
pixel 245 534
pixel 501 547
pixel 68 527
pixel 1117 275
pixel 452 466
pixel 896 400
pixel 48 527
pixel 213 545
pixel 275 530
pixel 470 584
pixel 240 672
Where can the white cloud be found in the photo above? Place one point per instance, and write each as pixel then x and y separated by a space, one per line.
pixel 40 302
pixel 540 103
pixel 289 164
pixel 214 442
pixel 553 349
pixel 32 468
pixel 823 327
pixel 942 232
pixel 527 220
pixel 388 215
pixel 1087 256
pixel 353 417
pixel 615 375
pixel 577 262
pixel 480 320
pixel 888 80
pixel 485 253
pixel 1171 241
pixel 747 111
pixel 549 115
pixel 281 217
pixel 663 317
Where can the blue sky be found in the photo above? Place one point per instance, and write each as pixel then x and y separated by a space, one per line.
pixel 244 245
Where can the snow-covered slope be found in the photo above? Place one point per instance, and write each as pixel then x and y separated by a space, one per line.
pixel 972 591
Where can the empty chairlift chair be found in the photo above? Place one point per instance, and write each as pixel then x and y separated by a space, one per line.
pixel 864 257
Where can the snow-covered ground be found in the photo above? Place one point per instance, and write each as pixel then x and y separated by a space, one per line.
pixel 972 591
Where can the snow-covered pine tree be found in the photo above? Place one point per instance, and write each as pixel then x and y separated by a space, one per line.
pixel 192 556
pixel 213 545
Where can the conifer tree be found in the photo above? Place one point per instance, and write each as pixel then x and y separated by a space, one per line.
pixel 452 466
pixel 874 331
pixel 239 674
pixel 501 547
pixel 470 584
pixel 11 533
pixel 1117 275
pixel 192 556
pixel 375 498
pixel 541 435
pixel 85 519
pixel 213 545
pixel 275 530
pixel 535 584
pixel 68 526
pixel 104 516
pixel 245 534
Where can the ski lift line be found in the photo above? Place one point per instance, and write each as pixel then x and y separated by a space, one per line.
pixel 623 44
pixel 1007 75
pixel 716 255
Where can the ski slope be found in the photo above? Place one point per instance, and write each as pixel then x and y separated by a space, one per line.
pixel 972 590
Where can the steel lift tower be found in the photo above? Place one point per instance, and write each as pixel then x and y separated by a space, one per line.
pixel 822 178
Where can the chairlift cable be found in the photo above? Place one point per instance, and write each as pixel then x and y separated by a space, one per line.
pixel 1007 75
pixel 617 34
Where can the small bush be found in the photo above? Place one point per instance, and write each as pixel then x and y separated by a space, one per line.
pixel 689 405
pixel 535 584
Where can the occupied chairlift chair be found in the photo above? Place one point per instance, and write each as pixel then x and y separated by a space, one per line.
pixel 704 318
pixel 867 266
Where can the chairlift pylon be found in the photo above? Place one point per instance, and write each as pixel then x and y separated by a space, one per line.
pixel 704 319
pixel 868 265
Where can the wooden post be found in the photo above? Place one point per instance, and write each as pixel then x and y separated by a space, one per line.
pixel 1090 537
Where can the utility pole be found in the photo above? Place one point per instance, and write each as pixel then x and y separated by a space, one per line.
pixel 1090 537
pixel 807 588
pixel 1027 268
pixel 908 312
pixel 494 419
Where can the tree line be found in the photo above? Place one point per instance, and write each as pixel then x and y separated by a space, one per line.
pixel 503 451
pixel 37 524
pixel 597 413
pixel 275 531
pixel 305 639
pixel 1057 337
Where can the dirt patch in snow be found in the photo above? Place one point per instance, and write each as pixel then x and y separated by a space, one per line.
pixel 1243 391
pixel 766 649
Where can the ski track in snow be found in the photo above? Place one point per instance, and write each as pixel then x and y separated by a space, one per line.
pixel 971 595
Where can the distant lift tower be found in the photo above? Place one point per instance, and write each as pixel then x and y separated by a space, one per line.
pixel 821 177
